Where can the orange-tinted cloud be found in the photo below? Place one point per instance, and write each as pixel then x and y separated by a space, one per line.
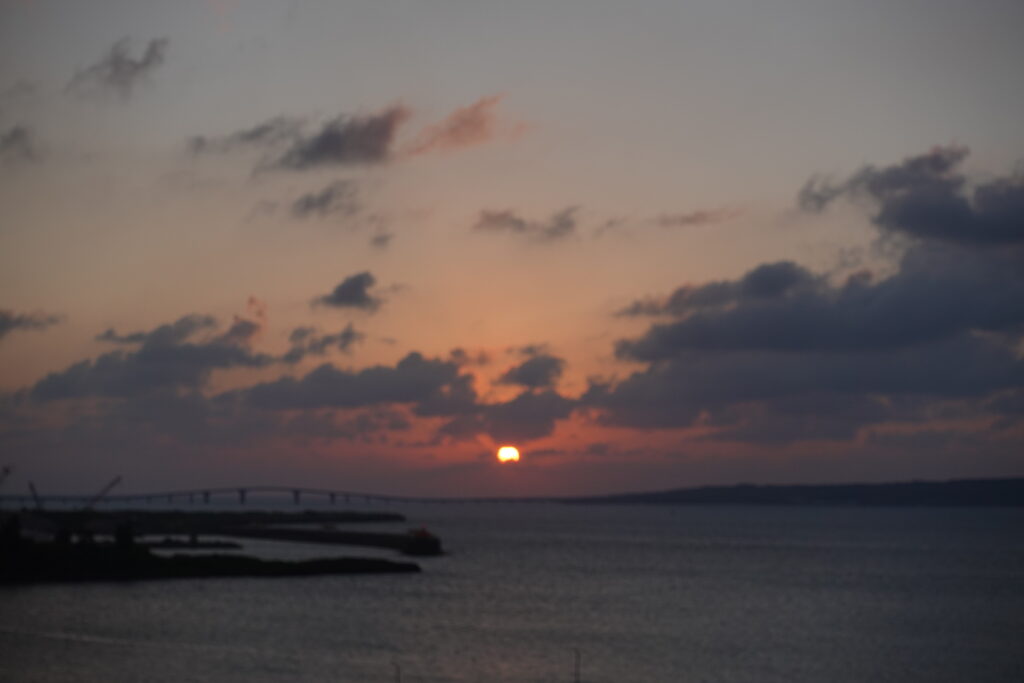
pixel 468 126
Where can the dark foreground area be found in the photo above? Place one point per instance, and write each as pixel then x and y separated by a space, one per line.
pixel 48 562
pixel 88 545
pixel 645 593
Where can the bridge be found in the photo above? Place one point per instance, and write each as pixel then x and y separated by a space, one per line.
pixel 245 494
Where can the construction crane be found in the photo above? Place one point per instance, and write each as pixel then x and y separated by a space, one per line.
pixel 35 496
pixel 102 493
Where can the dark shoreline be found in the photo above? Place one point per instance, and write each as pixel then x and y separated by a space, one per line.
pixel 33 563
pixel 70 545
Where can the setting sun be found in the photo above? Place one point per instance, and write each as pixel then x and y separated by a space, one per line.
pixel 508 454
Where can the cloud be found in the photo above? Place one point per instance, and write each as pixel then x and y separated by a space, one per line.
pixel 675 392
pixel 538 372
pixel 381 240
pixel 767 281
pixel 275 132
pixel 806 417
pixel 118 71
pixel 413 379
pixel 11 321
pixel 561 225
pixel 936 294
pixel 927 197
pixel 467 126
pixel 346 140
pixel 355 139
pixel 18 145
pixel 167 334
pixel 529 416
pixel 340 197
pixel 306 341
pixel 696 218
pixel 431 387
pixel 352 292
pixel 785 354
pixel 463 357
pixel 529 349
pixel 167 358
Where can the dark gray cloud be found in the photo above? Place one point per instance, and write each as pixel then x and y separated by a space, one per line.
pixel 457 397
pixel 352 292
pixel 337 198
pixel 167 334
pixel 307 341
pixel 18 145
pixel 530 349
pixel 767 281
pixel 463 357
pixel 347 140
pixel 118 71
pixel 167 358
pixel 413 379
pixel 928 197
pixel 678 391
pixel 784 354
pixel 561 225
pixel 695 218
pixel 430 387
pixel 539 371
pixel 11 321
pixel 529 416
pixel 273 133
pixel 804 417
pixel 937 294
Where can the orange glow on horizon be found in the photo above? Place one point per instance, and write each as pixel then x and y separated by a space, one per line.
pixel 508 454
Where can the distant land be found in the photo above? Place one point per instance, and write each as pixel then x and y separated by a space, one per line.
pixel 954 493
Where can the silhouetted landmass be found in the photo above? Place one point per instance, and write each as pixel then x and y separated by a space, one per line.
pixel 956 493
pixel 29 562
pixel 301 527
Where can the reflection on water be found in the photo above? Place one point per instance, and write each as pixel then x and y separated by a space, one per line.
pixel 646 594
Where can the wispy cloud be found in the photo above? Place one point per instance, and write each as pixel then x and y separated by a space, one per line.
pixel 307 341
pixel 347 140
pixel 561 225
pixel 273 132
pixel 339 197
pixel 695 218
pixel 118 71
pixel 467 126
pixel 18 145
pixel 11 321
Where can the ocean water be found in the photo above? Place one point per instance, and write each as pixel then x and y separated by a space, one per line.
pixel 716 594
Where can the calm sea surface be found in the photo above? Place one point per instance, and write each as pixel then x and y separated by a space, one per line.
pixel 722 594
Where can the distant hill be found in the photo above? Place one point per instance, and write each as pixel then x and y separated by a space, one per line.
pixel 957 493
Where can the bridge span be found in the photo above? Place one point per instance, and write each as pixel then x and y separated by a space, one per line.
pixel 243 495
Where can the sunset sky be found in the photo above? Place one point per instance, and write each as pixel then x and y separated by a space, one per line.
pixel 363 244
